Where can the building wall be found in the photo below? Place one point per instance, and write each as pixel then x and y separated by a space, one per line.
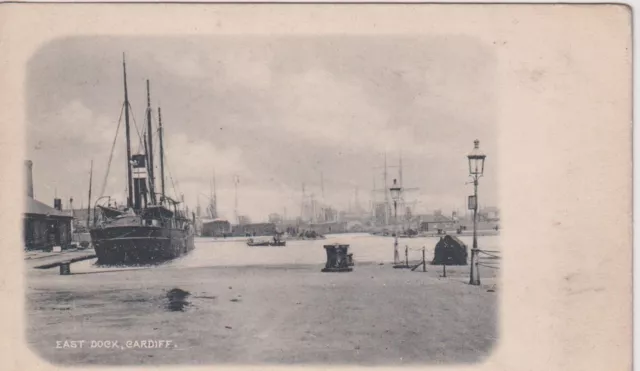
pixel 45 232
pixel 215 229
pixel 327 228
pixel 434 226
pixel 258 229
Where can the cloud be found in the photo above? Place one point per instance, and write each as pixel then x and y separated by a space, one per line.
pixel 72 124
pixel 242 66
pixel 318 106
pixel 247 68
pixel 274 110
pixel 191 163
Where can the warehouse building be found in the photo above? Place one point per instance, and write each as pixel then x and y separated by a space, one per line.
pixel 44 226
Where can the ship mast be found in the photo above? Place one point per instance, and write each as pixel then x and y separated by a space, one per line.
pixel 400 169
pixel 236 180
pixel 373 198
pixel 401 201
pixel 89 205
pixel 302 204
pixel 210 205
pixel 386 193
pixel 126 121
pixel 160 135
pixel 152 187
pixel 214 211
pixel 323 215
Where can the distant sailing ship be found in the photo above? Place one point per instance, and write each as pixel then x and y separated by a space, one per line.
pixel 151 228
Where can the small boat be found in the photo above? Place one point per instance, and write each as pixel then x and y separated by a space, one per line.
pixel 407 235
pixel 110 212
pixel 251 242
pixel 308 236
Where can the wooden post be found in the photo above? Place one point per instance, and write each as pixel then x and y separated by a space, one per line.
pixel 406 255
pixel 444 270
pixel 424 262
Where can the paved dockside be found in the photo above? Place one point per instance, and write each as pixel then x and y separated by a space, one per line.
pixel 46 260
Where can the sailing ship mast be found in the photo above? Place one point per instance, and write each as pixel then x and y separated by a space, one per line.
pixel 323 212
pixel 236 180
pixel 127 133
pixel 302 202
pixel 160 135
pixel 214 211
pixel 387 204
pixel 152 188
pixel 89 204
pixel 142 186
pixel 401 198
pixel 210 204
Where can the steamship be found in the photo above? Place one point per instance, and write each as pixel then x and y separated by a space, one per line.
pixel 151 227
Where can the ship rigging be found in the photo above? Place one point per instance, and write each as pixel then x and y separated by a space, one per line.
pixel 151 227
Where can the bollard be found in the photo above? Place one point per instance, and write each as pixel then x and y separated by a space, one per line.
pixel 65 269
pixel 338 258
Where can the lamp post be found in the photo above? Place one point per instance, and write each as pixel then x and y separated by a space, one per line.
pixel 476 169
pixel 395 195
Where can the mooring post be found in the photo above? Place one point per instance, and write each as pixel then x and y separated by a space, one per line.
pixel 65 269
pixel 406 255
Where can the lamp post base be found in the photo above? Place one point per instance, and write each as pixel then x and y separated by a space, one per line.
pixel 474 278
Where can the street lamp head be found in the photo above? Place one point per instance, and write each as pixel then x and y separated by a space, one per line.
pixel 476 160
pixel 395 190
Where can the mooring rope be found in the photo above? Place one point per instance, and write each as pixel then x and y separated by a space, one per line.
pixel 175 189
pixel 484 252
pixel 416 248
pixel 489 266
pixel 113 147
pixel 136 126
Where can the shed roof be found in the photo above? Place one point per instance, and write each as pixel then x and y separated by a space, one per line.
pixel 35 207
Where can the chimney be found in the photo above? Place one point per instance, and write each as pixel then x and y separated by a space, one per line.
pixel 57 204
pixel 29 177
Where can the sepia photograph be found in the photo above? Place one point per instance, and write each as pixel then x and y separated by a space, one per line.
pixel 270 199
pixel 261 192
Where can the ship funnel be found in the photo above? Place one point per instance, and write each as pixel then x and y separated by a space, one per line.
pixel 29 177
pixel 139 164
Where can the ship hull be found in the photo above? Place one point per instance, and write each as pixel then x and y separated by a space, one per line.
pixel 124 245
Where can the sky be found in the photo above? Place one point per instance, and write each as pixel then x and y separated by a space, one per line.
pixel 275 111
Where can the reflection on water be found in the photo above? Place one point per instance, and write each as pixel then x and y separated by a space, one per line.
pixel 210 252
